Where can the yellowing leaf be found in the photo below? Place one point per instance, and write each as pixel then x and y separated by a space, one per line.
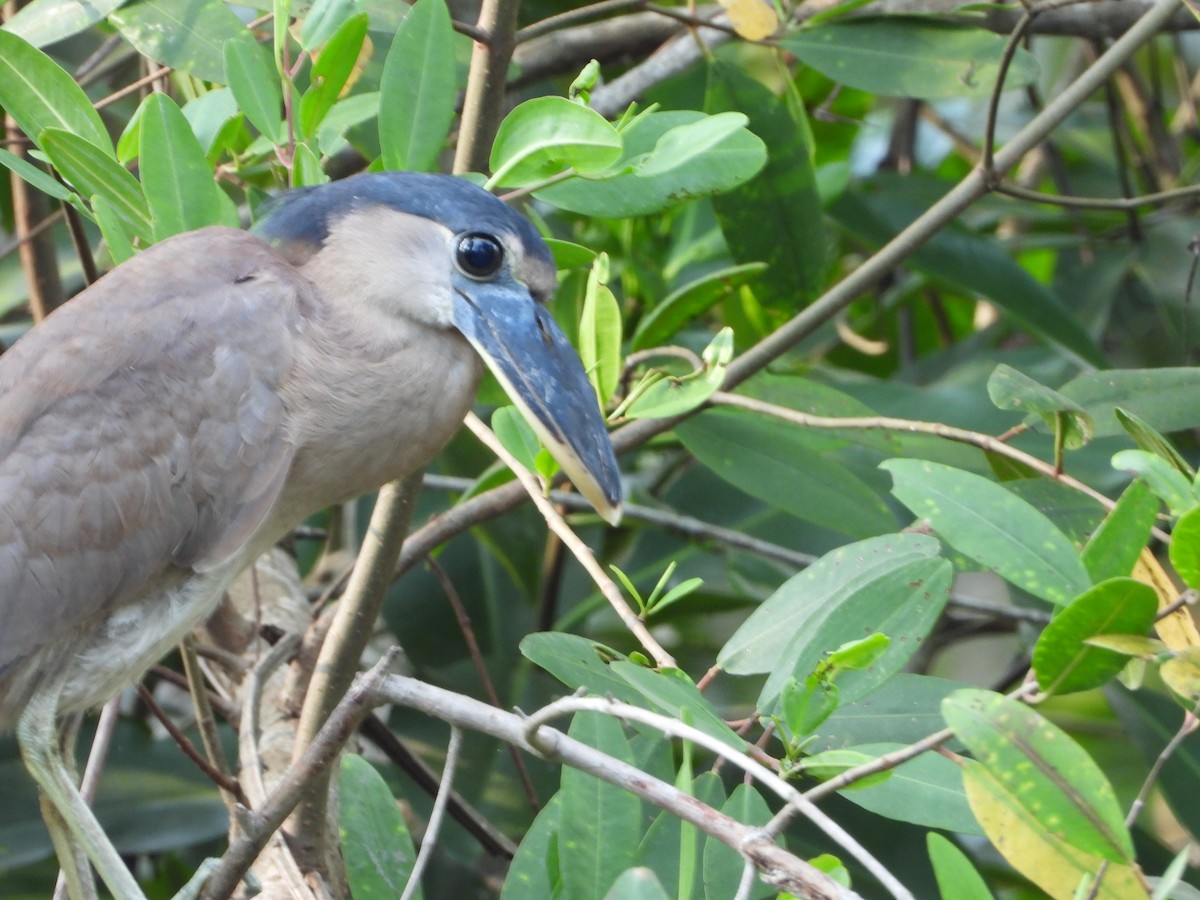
pixel 1177 630
pixel 753 20
pixel 1053 865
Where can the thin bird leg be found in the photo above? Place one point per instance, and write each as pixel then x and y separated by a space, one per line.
pixel 37 735
pixel 76 874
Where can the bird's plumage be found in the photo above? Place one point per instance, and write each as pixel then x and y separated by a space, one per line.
pixel 179 416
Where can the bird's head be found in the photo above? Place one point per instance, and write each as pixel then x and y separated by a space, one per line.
pixel 444 253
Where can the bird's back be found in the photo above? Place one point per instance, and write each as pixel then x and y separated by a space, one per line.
pixel 142 438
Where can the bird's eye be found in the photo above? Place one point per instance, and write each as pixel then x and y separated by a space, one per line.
pixel 479 255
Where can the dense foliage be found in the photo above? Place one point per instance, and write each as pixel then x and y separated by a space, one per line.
pixel 890 315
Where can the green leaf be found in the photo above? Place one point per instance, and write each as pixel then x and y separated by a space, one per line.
pixel 330 72
pixel 534 870
pixel 306 167
pixel 376 845
pixel 904 607
pixel 38 94
pixel 1010 389
pixel 1149 439
pixel 175 173
pixel 694 299
pixel 1044 770
pixel 516 435
pixel 1115 546
pixel 781 202
pixel 1166 399
pixel 903 709
pixel 1037 852
pixel 601 823
pixel 579 663
pixel 600 333
pixel 637 884
pixel 967 261
pixel 568 255
pixel 807 598
pixel 671 692
pixel 926 790
pixel 770 460
pixel 1167 482
pixel 722 864
pixel 44 22
pixel 39 179
pixel 417 89
pixel 957 879
pixel 93 172
pixel 991 525
pixel 659 395
pixel 804 705
pixel 1064 663
pixel 189 35
pixel 117 237
pixel 549 135
pixel 255 84
pixel 901 56
pixel 1185 547
pixel 324 19
pixel 630 191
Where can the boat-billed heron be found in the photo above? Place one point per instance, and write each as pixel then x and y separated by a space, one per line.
pixel 178 417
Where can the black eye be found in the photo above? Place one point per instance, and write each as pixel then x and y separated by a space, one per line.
pixel 479 255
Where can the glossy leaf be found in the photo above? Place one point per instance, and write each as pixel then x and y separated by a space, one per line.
pixel 1036 851
pixel 323 20
pixel 417 89
pixel 601 823
pixel 331 71
pixel 905 57
pixel 189 35
pixel 1167 399
pixel 806 599
pixel 117 237
pixel 672 693
pixel 771 461
pixel 903 709
pixel 904 607
pixel 93 172
pixel 549 135
pixel 306 167
pixel 36 177
pixel 534 870
pixel 637 884
pixel 516 435
pixel 1064 663
pixel 44 22
pixel 1045 772
pixel 255 84
pixel 176 176
pixel 579 663
pixel 722 864
pixel 988 523
pixel 1114 548
pixel 1185 548
pixel 692 300
pixel 926 790
pixel 600 334
pixel 638 191
pixel 957 878
pixel 1167 482
pixel 39 94
pixel 776 216
pixel 660 396
pixel 1148 438
pixel 1010 389
pixel 376 845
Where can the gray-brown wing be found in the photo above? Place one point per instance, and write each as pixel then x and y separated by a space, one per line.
pixel 141 429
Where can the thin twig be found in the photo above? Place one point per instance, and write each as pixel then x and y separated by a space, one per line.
pixel 573 543
pixel 437 814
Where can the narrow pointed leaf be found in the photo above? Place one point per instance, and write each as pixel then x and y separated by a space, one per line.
pixel 417 89
pixel 93 172
pixel 330 73
pixel 957 878
pixel 376 844
pixel 255 85
pixel 39 94
pixel 189 35
pixel 176 176
pixel 1114 548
